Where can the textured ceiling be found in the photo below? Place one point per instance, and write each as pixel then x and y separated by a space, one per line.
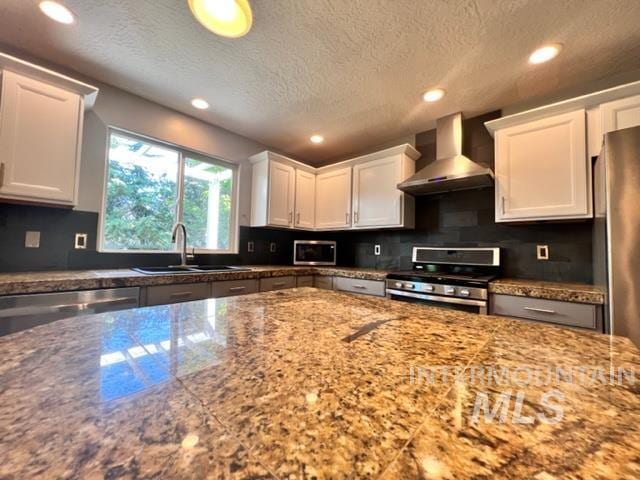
pixel 352 70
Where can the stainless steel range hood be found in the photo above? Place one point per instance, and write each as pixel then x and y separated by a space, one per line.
pixel 451 170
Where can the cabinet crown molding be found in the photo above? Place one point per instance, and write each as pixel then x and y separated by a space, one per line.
pixel 565 106
pixel 403 148
pixel 22 67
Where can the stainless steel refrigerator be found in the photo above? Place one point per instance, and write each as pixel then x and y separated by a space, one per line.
pixel 616 231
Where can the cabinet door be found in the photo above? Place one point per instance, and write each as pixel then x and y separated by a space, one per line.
pixel 619 114
pixel 333 199
pixel 305 199
pixel 40 128
pixel 282 184
pixel 542 172
pixel 376 198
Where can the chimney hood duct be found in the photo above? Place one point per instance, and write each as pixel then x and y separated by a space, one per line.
pixel 451 170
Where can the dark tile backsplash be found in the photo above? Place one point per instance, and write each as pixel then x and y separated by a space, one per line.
pixel 463 218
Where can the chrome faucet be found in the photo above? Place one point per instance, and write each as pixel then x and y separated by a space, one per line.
pixel 183 253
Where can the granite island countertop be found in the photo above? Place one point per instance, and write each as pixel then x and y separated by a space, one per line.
pixel 19 283
pixel 308 383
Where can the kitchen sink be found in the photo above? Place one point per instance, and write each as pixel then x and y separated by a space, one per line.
pixel 187 269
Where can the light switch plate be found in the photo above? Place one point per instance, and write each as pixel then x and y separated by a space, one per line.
pixel 376 250
pixel 81 241
pixel 32 239
pixel 272 247
pixel 251 247
pixel 543 252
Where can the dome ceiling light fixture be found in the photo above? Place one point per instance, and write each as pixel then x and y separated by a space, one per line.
pixel 546 53
pixel 200 103
pixel 57 12
pixel 433 95
pixel 317 139
pixel 227 18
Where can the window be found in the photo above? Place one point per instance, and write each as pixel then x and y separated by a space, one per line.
pixel 150 186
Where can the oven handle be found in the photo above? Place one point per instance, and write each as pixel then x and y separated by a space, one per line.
pixel 437 298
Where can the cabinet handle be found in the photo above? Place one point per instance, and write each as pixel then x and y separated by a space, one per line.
pixel 503 205
pixel 181 295
pixel 540 310
pixel 279 284
pixel 360 287
pixel 355 217
pixel 237 289
pixel 298 218
pixel 346 218
pixel 290 217
pixel 1 174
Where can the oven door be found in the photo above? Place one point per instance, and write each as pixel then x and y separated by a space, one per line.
pixel 453 303
pixel 314 252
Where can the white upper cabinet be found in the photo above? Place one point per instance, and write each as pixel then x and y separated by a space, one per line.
pixel 333 199
pixel 40 135
pixel 619 114
pixel 542 171
pixel 287 193
pixel 305 203
pixel 273 191
pixel 377 202
pixel 282 184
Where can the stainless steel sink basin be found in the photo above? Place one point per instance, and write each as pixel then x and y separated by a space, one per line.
pixel 188 269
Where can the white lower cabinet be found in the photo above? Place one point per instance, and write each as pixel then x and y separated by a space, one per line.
pixel 333 199
pixel 579 315
pixel 354 285
pixel 183 292
pixel 234 287
pixel 542 170
pixel 277 283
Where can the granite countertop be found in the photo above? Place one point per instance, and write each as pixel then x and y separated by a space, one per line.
pixel 569 292
pixel 61 281
pixel 307 383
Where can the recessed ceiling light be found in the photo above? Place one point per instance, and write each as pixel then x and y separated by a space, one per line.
pixel 316 139
pixel 200 104
pixel 433 95
pixel 544 54
pixel 229 18
pixel 57 12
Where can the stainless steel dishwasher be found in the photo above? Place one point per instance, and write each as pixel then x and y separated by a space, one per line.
pixel 20 312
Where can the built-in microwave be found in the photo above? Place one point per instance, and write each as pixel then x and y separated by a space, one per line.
pixel 314 252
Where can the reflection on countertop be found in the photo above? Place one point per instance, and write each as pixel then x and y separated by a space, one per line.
pixel 278 384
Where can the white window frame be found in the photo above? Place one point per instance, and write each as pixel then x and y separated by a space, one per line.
pixel 183 153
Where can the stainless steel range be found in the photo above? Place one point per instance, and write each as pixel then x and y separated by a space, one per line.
pixel 447 277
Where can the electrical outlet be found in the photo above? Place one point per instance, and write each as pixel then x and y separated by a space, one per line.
pixel 251 247
pixel 32 240
pixel 543 252
pixel 376 250
pixel 81 241
pixel 272 247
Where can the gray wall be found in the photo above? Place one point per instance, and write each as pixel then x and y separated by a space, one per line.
pixel 117 108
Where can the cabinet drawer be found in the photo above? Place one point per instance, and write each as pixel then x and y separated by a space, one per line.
pixel 277 283
pixel 165 294
pixel 305 281
pixel 233 287
pixel 368 287
pixel 563 313
pixel 323 282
